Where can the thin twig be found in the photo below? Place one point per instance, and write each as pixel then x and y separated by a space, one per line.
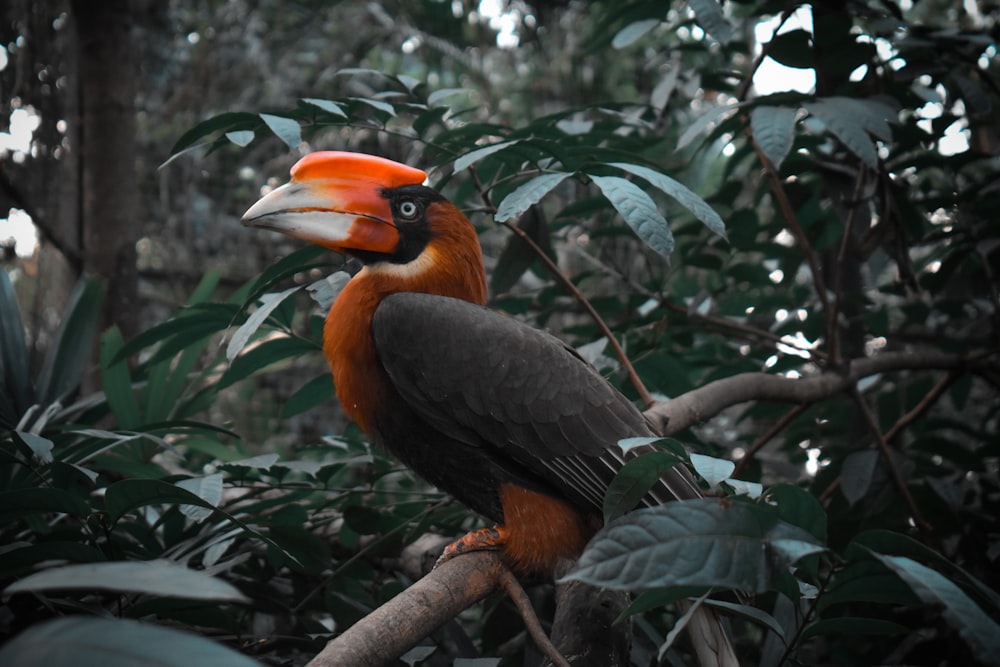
pixel 759 443
pixel 785 205
pixel 886 450
pixel 803 626
pixel 765 51
pixel 923 406
pixel 602 325
pixel 830 489
pixel 517 595
pixel 832 330
pixel 564 280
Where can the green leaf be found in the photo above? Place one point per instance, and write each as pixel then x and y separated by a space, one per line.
pixel 852 120
pixel 312 393
pixel 850 625
pixel 857 474
pixel 631 443
pixel 793 48
pixel 263 355
pixel 701 542
pixel 309 552
pixel 326 105
pixel 706 120
pixel 634 481
pixel 224 121
pixel 241 138
pixel 262 461
pixel 325 290
pixel 182 330
pixel 40 446
pixel 743 488
pixel 417 654
pixel 472 157
pixel 130 494
pixel 632 32
pixel 16 383
pixel 268 302
pixel 170 379
pixel 979 631
pixel 527 195
pixel 287 129
pixel 42 499
pixel 866 582
pixel 896 544
pixel 753 614
pixel 18 561
pixel 659 597
pixel 74 641
pixel 117 381
pixel 710 16
pixel 774 131
pixel 639 211
pixel 677 190
pixel 799 508
pixel 377 104
pixel 435 97
pixel 155 577
pixel 70 350
pixel 712 470
pixel 301 260
pixel 517 256
pixel 208 488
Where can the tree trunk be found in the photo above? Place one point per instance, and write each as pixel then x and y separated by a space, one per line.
pixel 107 153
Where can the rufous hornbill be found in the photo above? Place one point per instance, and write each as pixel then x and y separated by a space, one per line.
pixel 507 419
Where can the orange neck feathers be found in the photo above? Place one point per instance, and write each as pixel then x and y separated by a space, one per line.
pixel 450 265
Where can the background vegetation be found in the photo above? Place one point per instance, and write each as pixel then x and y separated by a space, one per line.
pixel 175 478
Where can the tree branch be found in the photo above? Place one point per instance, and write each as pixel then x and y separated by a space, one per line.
pixel 886 451
pixel 402 622
pixel 703 403
pixel 832 330
pixel 521 601
pixel 925 404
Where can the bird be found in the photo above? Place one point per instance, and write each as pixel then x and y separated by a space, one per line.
pixel 506 418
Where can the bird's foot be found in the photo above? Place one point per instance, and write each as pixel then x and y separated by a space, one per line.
pixel 484 539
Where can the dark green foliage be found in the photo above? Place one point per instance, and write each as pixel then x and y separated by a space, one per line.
pixel 716 231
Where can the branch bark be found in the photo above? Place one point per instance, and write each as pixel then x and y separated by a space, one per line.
pixel 703 403
pixel 400 624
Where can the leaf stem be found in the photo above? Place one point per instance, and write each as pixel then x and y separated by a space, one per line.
pixel 759 443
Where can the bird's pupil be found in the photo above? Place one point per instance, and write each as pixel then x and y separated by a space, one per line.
pixel 408 209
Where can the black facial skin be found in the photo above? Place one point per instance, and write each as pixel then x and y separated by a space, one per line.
pixel 409 211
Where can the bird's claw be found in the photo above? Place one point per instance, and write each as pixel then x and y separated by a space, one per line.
pixel 484 539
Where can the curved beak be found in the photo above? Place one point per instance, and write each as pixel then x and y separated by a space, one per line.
pixel 336 200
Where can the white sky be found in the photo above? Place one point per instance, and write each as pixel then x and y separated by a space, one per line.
pixel 772 76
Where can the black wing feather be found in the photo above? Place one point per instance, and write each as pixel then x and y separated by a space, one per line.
pixel 489 381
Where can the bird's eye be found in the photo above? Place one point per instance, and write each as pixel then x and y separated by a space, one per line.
pixel 408 209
